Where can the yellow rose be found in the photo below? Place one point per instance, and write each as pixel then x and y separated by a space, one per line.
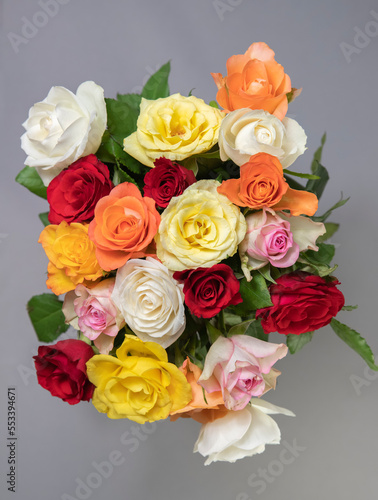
pixel 139 384
pixel 200 228
pixel 175 127
pixel 71 254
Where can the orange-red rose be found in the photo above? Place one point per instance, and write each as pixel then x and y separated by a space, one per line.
pixel 262 184
pixel 124 226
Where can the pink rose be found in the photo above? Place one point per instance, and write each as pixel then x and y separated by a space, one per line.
pixel 276 239
pixel 237 365
pixel 92 311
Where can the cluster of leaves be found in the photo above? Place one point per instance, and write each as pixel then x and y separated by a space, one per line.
pixel 45 310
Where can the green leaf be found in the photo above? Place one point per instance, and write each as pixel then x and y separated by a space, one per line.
pixel 191 164
pixel 349 308
pixel 179 358
pixel 255 295
pixel 214 104
pixel 240 329
pixel 318 153
pixel 266 273
pixel 317 186
pixel 324 255
pixel 302 176
pixel 157 85
pixel 321 270
pixel 208 156
pixel 354 340
pixel 294 184
pixel 331 229
pixel 212 332
pixel 45 312
pixel 132 100
pixel 111 151
pixel 29 178
pixel 256 330
pixel 296 342
pixel 231 319
pixel 325 216
pixel 44 218
pixel 120 176
pixel 122 119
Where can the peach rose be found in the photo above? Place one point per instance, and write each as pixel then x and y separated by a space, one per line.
pixel 199 409
pixel 254 80
pixel 262 184
pixel 124 225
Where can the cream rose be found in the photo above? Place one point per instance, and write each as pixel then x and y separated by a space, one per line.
pixel 63 128
pixel 175 127
pixel 150 300
pixel 241 433
pixel 244 133
pixel 200 228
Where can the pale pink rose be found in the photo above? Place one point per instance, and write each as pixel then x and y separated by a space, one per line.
pixel 237 365
pixel 92 311
pixel 268 240
pixel 277 239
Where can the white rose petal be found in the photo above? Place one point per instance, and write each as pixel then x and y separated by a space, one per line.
pixel 63 128
pixel 246 132
pixel 305 231
pixel 241 433
pixel 150 300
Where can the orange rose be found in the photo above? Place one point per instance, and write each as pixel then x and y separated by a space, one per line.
pixel 200 410
pixel 254 80
pixel 123 227
pixel 262 184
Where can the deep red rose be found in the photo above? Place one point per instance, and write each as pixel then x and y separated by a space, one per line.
pixel 61 370
pixel 166 180
pixel 73 193
pixel 302 303
pixel 209 290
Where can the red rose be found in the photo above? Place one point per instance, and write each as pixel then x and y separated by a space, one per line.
pixel 73 193
pixel 166 180
pixel 209 290
pixel 302 303
pixel 61 370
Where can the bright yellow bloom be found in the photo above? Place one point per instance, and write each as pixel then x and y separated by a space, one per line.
pixel 139 384
pixel 175 127
pixel 71 254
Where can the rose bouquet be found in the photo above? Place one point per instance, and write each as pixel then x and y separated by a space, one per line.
pixel 180 240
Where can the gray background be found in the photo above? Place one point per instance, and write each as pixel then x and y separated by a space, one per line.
pixel 118 45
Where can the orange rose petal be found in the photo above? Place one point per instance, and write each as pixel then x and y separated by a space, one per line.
pixel 298 202
pixel 126 189
pixel 235 64
pixel 276 75
pixel 200 410
pixel 223 100
pixel 281 108
pixel 218 79
pixel 261 51
pixel 231 189
pixel 111 259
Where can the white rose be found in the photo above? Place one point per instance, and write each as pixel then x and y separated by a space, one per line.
pixel 63 128
pixel 241 433
pixel 244 133
pixel 150 300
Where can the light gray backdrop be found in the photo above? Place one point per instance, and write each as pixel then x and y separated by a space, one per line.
pixel 118 44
